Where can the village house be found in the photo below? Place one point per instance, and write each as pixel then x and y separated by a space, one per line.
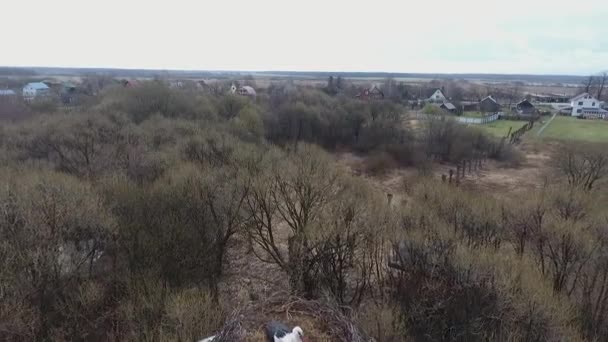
pixel 489 105
pixel 437 96
pixel 371 93
pixel 7 93
pixel 247 91
pixel 525 107
pixel 129 83
pixel 35 89
pixel 449 107
pixel 176 84
pixel 548 98
pixel 586 106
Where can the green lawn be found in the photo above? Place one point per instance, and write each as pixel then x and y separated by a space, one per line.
pixel 473 114
pixel 569 128
pixel 500 128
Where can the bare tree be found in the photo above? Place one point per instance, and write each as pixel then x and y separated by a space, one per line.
pixel 582 164
pixel 589 83
pixel 513 94
pixel 601 84
pixel 293 192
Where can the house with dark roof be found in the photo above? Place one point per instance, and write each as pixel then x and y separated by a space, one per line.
pixel 587 106
pixel 525 107
pixel 489 105
pixel 130 83
pixel 35 89
pixel 372 93
pixel 449 107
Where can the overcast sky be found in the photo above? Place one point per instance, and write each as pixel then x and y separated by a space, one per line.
pixel 504 36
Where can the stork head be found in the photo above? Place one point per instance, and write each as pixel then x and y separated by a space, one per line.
pixel 299 333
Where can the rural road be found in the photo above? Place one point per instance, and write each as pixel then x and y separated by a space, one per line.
pixel 540 131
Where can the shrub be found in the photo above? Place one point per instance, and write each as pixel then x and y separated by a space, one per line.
pixel 44 105
pixel 508 155
pixel 582 164
pixel 53 232
pixel 379 163
pixel 382 322
pixel 430 109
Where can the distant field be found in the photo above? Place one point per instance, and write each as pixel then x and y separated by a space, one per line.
pixel 500 128
pixel 569 128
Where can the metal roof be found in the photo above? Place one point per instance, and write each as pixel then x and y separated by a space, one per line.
pixel 580 96
pixel 449 106
pixel 37 86
pixel 6 92
pixel 248 90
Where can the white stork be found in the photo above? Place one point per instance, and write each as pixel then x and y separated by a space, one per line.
pixel 276 332
pixel 279 332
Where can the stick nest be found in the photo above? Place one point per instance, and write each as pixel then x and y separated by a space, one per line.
pixel 320 320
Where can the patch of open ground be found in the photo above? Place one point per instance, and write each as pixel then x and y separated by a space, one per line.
pixel 393 182
pixel 500 181
pixel 493 177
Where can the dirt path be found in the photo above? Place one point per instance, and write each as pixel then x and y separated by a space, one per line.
pixel 540 131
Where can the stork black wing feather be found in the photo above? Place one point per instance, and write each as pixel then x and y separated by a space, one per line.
pixel 277 329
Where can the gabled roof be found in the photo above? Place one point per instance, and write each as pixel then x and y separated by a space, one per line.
pixel 431 91
pixel 488 98
pixel 580 97
pixel 374 88
pixel 524 102
pixel 449 105
pixel 37 85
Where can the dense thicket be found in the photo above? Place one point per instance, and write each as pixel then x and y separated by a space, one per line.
pixel 119 221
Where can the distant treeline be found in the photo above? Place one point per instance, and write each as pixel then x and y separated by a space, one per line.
pixel 9 71
pixel 496 77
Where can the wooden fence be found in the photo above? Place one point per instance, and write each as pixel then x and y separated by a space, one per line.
pixel 515 136
pixel 464 167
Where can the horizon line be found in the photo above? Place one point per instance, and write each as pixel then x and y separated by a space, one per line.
pixel 245 71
